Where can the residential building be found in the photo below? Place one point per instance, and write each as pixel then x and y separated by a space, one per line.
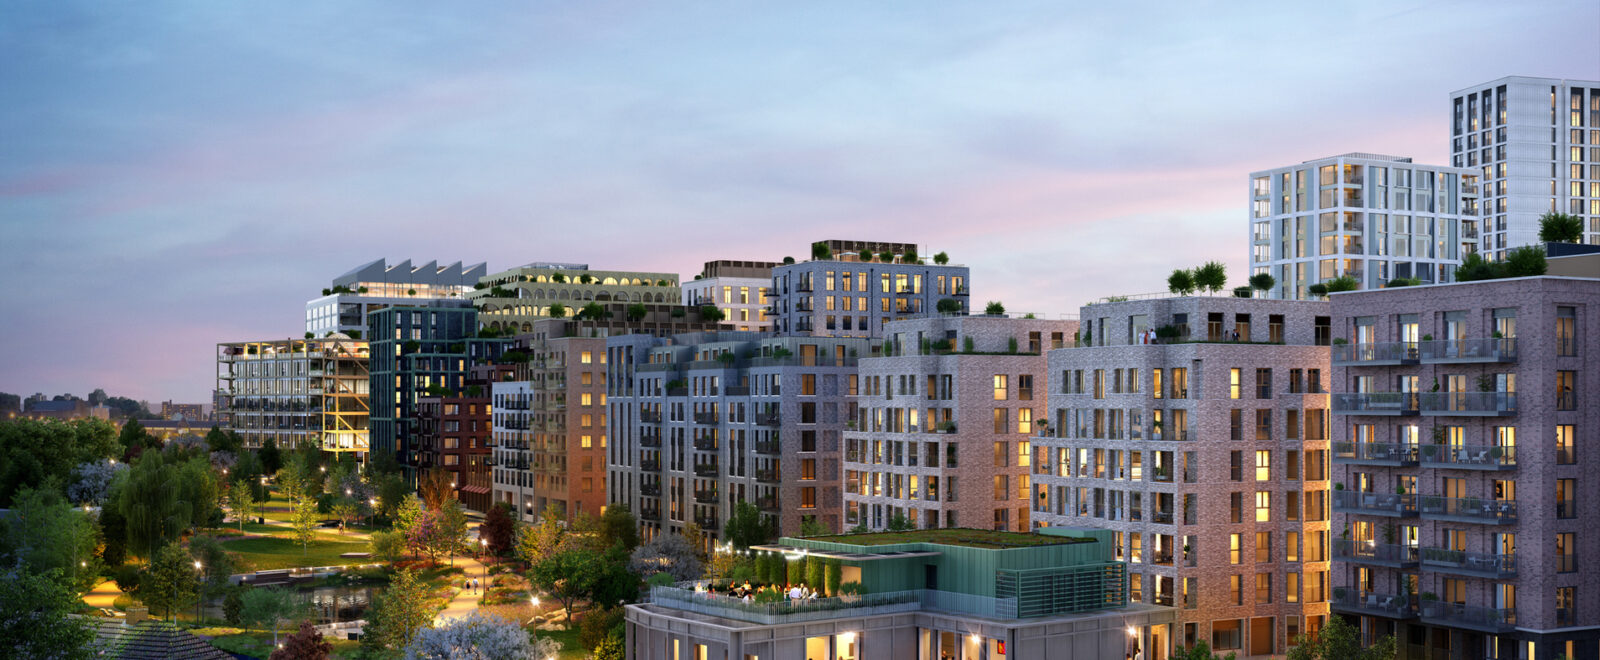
pixel 704 420
pixel 344 306
pixel 958 594
pixel 1461 414
pixel 738 288
pixel 66 409
pixel 944 419
pixel 420 351
pixel 1195 430
pixel 844 292
pixel 295 391
pixel 185 411
pixel 1536 144
pixel 454 433
pixel 551 426
pixel 510 301
pixel 1371 217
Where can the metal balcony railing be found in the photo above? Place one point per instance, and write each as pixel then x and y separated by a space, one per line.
pixel 707 470
pixel 768 419
pixel 1487 619
pixel 1376 403
pixel 769 447
pixel 653 490
pixel 650 464
pixel 1376 353
pixel 1470 457
pixel 1469 509
pixel 653 441
pixel 1491 349
pixel 1392 555
pixel 650 416
pixel 767 504
pixel 705 418
pixel 1478 564
pixel 767 476
pixel 1394 606
pixel 705 444
pixel 1393 505
pixel 1472 404
pixel 1375 453
pixel 705 496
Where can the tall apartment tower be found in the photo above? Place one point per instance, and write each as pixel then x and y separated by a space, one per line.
pixel 941 435
pixel 1371 217
pixel 1536 143
pixel 344 306
pixel 420 352
pixel 1205 453
pixel 454 433
pixel 510 301
pixel 854 288
pixel 551 417
pixel 1460 412
pixel 702 421
pixel 739 288
pixel 295 391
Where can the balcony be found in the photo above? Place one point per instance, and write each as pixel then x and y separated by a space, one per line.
pixel 1376 354
pixel 706 523
pixel 767 504
pixel 705 444
pixel 650 464
pixel 767 476
pixel 1468 404
pixel 1456 615
pixel 1470 457
pixel 648 514
pixel 1372 603
pixel 650 416
pixel 769 447
pixel 1470 510
pixel 768 419
pixel 705 418
pixel 1391 555
pixel 1374 453
pixel 1375 403
pixel 1466 351
pixel 737 390
pixel 1375 504
pixel 653 490
pixel 1472 564
pixel 707 470
pixel 653 441
pixel 705 496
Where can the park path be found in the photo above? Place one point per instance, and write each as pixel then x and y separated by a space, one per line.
pixel 465 602
pixel 102 595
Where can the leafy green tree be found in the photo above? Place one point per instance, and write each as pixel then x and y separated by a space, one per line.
pixel 1526 261
pixel 1560 228
pixel 36 453
pixel 948 306
pixel 994 308
pixel 1181 282
pixel 398 613
pixel 812 527
pixel 387 546
pixel 36 618
pixel 710 313
pixel 147 498
pixel 346 510
pixel 46 536
pixel 568 575
pixel 558 310
pixel 452 520
pixel 271 458
pixel 1213 276
pixel 941 258
pixel 820 251
pixel 220 440
pixel 618 526
pixel 1339 640
pixel 746 526
pixel 216 565
pixel 1318 289
pixel 1263 281
pixel 170 582
pixel 899 523
pixel 637 312
pixel 240 500
pixel 267 607
pixel 539 540
pixel 134 438
pixel 303 519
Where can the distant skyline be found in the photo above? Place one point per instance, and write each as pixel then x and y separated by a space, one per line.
pixel 181 174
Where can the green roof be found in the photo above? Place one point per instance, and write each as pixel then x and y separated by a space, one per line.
pixel 962 537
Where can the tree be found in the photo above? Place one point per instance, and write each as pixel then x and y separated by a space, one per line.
pixel 746 526
pixel 431 536
pixel 788 260
pixel 568 575
pixel 593 311
pixel 1339 640
pixel 710 313
pixel 812 527
pixel 303 519
pixel 91 482
pixel 1318 289
pixel 34 453
pixel 435 486
pixel 1526 261
pixel 1213 276
pixel 499 528
pixel 637 312
pixel 133 438
pixel 391 493
pixel 408 514
pixel 1181 282
pixel 146 497
pixel 266 607
pixel 820 250
pixel 46 536
pixel 220 440
pixel 37 618
pixel 948 306
pixel 387 546
pixel 1475 268
pixel 240 501
pixel 307 644
pixel 1560 228
pixel 478 636
pixel 271 458
pixel 610 648
pixel 900 523
pixel 941 258
pixel 557 310
pixel 537 541
pixel 398 613
pixel 346 510
pixel 667 553
pixel 1263 281
pixel 170 582
pixel 1343 283
pixel 452 520
pixel 618 526
pixel 216 565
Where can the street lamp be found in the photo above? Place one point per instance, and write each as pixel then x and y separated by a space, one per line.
pixel 197 598
pixel 265 495
pixel 372 510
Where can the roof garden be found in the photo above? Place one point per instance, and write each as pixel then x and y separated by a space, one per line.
pixel 961 537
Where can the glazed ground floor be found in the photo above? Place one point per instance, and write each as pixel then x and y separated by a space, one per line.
pixel 660 633
pixel 1416 640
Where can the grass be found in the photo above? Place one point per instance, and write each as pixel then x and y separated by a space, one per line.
pixel 570 648
pixel 263 553
pixel 972 538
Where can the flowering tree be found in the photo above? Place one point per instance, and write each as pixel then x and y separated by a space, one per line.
pixel 476 637
pixel 91 481
pixel 304 645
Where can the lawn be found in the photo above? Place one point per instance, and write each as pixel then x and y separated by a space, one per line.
pixel 972 538
pixel 263 553
pixel 570 648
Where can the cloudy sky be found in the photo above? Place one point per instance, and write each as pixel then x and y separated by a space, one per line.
pixel 177 174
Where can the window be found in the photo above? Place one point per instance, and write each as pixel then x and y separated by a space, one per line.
pixel 1002 489
pixel 1566 498
pixel 1233 549
pixel 1566 552
pixel 1263 465
pixel 1291 546
pixel 1025 387
pixel 1233 383
pixel 1001 420
pixel 1236 466
pixel 1000 387
pixel 586 357
pixel 1292 592
pixel 1263 588
pixel 1025 421
pixel 1263 383
pixel 1566 331
pixel 1565 452
pixel 1263 506
pixel 1236 507
pixel 808 497
pixel 1566 390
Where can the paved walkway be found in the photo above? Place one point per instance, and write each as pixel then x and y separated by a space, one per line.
pixel 465 602
pixel 102 595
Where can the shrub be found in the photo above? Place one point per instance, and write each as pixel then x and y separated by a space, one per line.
pixel 1560 228
pixel 599 624
pixel 788 260
pixel 820 250
pixel 1242 292
pixel 1262 282
pixel 941 258
pixel 852 589
pixel 948 306
pixel 1526 261
pixel 1317 289
pixel 1343 283
pixel 994 308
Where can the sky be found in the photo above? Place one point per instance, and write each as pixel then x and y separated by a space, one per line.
pixel 174 175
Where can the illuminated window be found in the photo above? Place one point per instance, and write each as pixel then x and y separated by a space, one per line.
pixel 1263 506
pixel 586 357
